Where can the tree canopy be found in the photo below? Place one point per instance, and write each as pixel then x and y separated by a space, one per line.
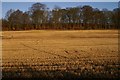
pixel 80 17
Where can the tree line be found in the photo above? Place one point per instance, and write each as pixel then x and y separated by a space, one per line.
pixel 39 16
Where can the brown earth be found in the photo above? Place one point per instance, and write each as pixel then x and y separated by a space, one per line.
pixel 60 54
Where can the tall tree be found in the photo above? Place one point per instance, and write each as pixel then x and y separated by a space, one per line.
pixel 55 17
pixel 116 18
pixel 26 21
pixel 87 15
pixel 15 20
pixel 38 14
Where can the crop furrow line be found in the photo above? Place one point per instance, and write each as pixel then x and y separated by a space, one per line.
pixel 47 52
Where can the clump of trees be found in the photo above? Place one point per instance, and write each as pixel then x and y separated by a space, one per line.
pixel 81 17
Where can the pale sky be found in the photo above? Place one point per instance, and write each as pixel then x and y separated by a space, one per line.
pixel 59 0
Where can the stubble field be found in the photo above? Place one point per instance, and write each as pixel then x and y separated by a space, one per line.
pixel 60 54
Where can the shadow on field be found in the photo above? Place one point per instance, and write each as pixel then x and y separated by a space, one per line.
pixel 74 74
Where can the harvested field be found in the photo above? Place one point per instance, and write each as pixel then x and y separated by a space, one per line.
pixel 60 55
